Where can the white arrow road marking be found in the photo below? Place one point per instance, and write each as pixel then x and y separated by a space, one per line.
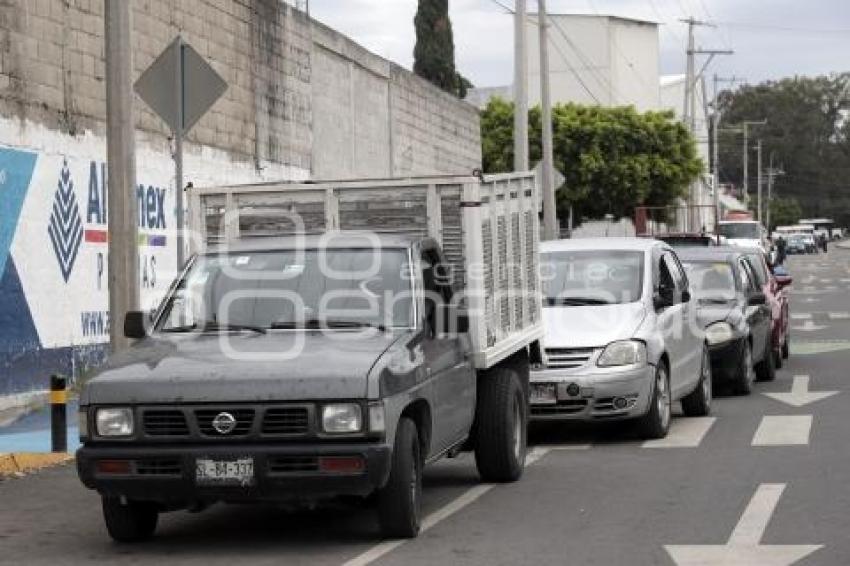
pixel 808 326
pixel 744 548
pixel 788 430
pixel 466 498
pixel 684 433
pixel 800 395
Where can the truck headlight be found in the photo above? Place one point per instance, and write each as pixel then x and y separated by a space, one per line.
pixel 719 333
pixel 623 353
pixel 342 417
pixel 114 422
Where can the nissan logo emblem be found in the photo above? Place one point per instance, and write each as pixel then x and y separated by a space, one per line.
pixel 224 423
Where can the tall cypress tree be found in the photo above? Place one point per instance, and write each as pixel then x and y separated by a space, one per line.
pixel 434 54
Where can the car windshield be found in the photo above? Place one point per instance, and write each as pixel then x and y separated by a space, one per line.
pixel 292 289
pixel 711 280
pixel 739 230
pixel 592 277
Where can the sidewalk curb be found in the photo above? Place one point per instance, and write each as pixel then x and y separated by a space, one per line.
pixel 23 462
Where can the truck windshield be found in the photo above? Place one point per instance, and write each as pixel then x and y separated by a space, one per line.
pixel 342 288
pixel 578 278
pixel 739 230
pixel 711 280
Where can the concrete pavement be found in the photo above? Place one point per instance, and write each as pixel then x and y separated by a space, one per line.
pixel 762 481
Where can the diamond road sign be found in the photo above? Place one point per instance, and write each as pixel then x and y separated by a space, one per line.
pixel 557 177
pixel 180 86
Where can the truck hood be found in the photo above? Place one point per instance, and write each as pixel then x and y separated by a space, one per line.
pixel 591 326
pixel 240 367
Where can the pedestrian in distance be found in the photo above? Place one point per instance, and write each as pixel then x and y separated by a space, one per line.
pixel 824 242
pixel 781 251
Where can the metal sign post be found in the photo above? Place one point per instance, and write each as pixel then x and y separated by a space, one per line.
pixel 180 86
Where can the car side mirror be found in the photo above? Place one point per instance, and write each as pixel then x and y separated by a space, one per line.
pixel 136 324
pixel 783 281
pixel 686 296
pixel 663 298
pixel 757 299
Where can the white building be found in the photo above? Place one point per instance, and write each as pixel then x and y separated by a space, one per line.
pixel 593 59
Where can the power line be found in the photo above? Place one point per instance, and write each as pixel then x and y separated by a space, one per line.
pixel 771 27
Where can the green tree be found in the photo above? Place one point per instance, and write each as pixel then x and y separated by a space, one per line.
pixel 434 53
pixel 808 134
pixel 784 211
pixel 614 159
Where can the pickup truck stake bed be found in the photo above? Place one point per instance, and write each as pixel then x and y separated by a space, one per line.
pixel 244 386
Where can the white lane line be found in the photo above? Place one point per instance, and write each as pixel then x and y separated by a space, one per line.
pixel 684 433
pixel 465 499
pixel 839 315
pixel 789 430
pixel 801 315
pixel 568 447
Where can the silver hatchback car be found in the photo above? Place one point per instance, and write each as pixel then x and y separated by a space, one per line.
pixel 622 339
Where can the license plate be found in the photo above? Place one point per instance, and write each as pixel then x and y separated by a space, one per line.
pixel 238 471
pixel 543 394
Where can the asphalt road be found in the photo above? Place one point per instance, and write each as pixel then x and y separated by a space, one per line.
pixel 760 482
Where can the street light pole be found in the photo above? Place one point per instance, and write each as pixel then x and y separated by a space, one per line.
pixel 758 201
pixel 123 262
pixel 549 216
pixel 520 87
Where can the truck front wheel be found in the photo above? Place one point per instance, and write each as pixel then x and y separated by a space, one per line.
pixel 399 502
pixel 501 423
pixel 130 521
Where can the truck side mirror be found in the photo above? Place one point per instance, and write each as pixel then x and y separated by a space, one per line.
pixel 663 297
pixel 135 324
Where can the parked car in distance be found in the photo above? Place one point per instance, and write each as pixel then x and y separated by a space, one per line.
pixel 618 342
pixel 773 288
pixel 810 243
pixel 679 240
pixel 796 245
pixel 734 312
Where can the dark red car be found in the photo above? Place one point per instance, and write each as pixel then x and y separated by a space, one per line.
pixel 773 286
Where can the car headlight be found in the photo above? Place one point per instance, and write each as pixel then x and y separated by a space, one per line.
pixel 623 353
pixel 114 422
pixel 718 333
pixel 342 418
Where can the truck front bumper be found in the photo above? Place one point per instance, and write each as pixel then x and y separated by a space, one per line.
pixel 282 473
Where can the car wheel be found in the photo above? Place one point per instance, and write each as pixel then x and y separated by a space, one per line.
pixel 399 502
pixel 656 422
pixel 501 426
pixel 766 369
pixel 786 346
pixel 745 376
pixel 777 359
pixel 698 403
pixel 129 521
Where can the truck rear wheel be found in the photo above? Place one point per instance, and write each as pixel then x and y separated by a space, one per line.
pixel 131 521
pixel 501 424
pixel 399 502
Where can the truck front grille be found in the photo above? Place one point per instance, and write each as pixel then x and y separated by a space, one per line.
pixel 286 420
pixel 165 422
pixel 244 421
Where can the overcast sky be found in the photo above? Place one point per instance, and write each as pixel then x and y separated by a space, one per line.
pixel 771 38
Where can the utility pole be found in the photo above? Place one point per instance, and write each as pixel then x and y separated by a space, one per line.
pixel 758 200
pixel 689 116
pixel 520 87
pixel 746 125
pixel 549 216
pixel 772 173
pixel 123 263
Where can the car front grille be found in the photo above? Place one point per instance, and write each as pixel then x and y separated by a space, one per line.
pixel 565 407
pixel 567 358
pixel 165 422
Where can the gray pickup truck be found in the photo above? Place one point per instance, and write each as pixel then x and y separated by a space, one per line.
pixel 297 369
